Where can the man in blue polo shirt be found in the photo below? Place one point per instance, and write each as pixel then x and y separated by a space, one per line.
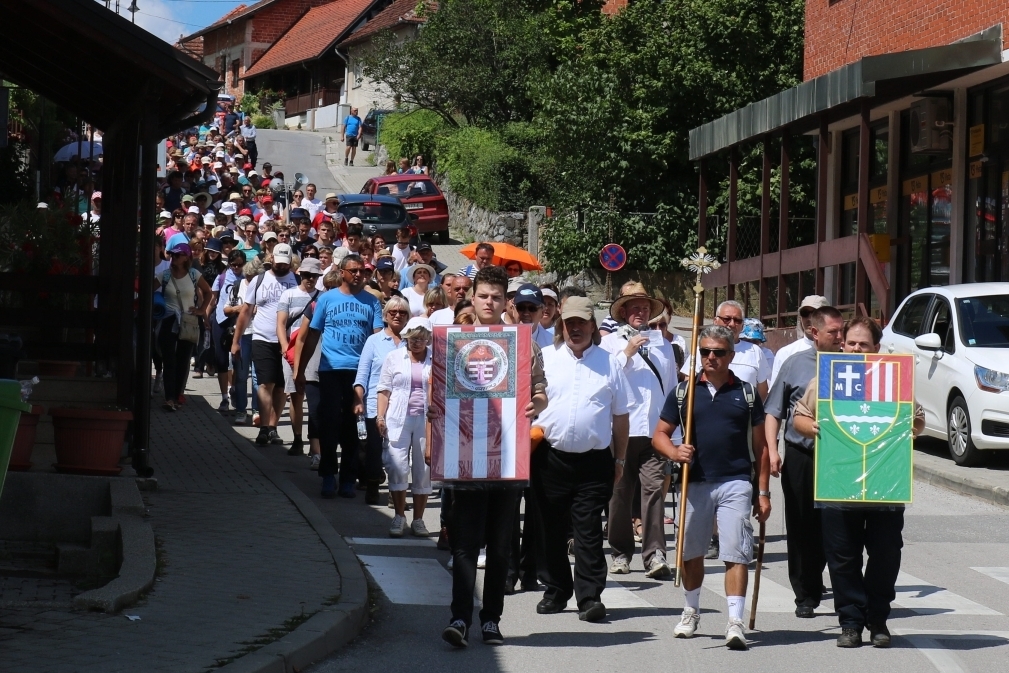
pixel 344 319
pixel 351 134
pixel 728 446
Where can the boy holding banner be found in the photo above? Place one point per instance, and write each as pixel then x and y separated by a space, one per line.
pixel 860 600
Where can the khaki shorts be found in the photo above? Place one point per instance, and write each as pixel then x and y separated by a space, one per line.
pixel 729 502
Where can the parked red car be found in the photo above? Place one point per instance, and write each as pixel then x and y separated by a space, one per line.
pixel 420 196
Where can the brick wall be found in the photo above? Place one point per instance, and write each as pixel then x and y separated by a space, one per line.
pixel 839 32
pixel 273 21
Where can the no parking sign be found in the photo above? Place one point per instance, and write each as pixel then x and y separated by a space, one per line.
pixel 612 257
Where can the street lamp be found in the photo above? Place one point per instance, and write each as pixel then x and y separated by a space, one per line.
pixel 133 9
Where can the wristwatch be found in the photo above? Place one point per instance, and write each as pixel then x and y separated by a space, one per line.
pixel 765 494
pixel 620 461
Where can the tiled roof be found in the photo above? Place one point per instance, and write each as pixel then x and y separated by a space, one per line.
pixel 241 10
pixel 398 13
pixel 311 36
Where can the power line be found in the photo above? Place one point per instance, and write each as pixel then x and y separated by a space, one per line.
pixel 164 18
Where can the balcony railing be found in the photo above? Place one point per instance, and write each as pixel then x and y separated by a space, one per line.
pixel 306 101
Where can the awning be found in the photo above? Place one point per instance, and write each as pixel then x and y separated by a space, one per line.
pixel 870 76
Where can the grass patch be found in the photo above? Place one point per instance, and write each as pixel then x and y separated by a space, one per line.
pixel 271 636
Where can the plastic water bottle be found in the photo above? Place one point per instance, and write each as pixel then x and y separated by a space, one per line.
pixel 26 387
pixel 362 429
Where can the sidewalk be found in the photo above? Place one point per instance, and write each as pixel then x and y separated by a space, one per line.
pixel 989 482
pixel 251 576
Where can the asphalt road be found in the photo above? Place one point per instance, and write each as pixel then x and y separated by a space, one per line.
pixel 295 152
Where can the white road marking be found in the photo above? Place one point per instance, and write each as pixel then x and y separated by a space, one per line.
pixel 927 599
pixel 391 541
pixel 1000 574
pixel 411 581
pixel 615 595
pixel 929 643
pixel 773 596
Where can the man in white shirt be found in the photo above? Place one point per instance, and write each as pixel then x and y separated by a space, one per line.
pixel 263 296
pixel 402 249
pixel 805 343
pixel 573 470
pixel 460 288
pixel 749 363
pixel 650 368
pixel 310 203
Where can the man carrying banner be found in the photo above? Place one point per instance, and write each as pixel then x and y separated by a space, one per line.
pixel 802 519
pixel 859 600
pixel 484 513
pixel 585 440
pixel 728 448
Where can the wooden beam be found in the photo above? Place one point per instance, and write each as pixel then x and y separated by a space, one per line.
pixel 733 231
pixel 702 204
pixel 765 221
pixel 864 150
pixel 822 172
pixel 782 224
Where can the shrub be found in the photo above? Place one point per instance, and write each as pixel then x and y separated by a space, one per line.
pixel 263 121
pixel 407 134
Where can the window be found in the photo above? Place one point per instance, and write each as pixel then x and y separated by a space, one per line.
pixel 984 321
pixel 234 72
pixel 358 73
pixel 942 324
pixel 908 322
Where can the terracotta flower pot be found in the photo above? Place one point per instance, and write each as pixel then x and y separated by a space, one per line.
pixel 24 440
pixel 60 368
pixel 89 441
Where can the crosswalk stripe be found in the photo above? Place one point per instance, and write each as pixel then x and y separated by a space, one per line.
pixel 929 643
pixel 773 596
pixel 615 595
pixel 411 581
pixel 391 542
pixel 927 599
pixel 1000 574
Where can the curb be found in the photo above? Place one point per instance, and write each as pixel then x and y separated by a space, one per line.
pixel 329 629
pixel 973 488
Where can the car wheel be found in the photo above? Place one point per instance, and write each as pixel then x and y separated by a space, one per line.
pixel 961 446
pixel 443 237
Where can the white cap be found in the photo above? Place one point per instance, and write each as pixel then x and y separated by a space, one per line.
pixel 193 209
pixel 418 322
pixel 547 292
pixel 354 220
pixel 282 254
pixel 209 219
pixel 269 236
pixel 165 215
pixel 228 208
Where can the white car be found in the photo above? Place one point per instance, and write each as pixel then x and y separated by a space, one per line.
pixel 959 335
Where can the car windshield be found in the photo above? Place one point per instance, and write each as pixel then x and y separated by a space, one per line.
pixel 380 213
pixel 406 189
pixel 984 321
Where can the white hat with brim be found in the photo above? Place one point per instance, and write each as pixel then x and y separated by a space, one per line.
pixel 416 324
pixel 412 271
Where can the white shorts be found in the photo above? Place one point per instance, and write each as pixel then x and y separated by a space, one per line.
pixel 289 386
pixel 731 503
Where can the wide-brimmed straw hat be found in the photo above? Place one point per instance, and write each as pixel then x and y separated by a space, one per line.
pixel 636 291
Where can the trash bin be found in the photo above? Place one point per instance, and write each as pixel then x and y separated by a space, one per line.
pixel 11 407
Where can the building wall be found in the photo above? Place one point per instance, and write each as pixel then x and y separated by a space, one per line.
pixel 363 92
pixel 839 32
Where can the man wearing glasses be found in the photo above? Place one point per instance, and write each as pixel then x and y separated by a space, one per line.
pixel 806 559
pixel 749 363
pixel 343 320
pixel 720 471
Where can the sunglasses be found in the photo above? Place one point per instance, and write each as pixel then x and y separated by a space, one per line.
pixel 717 352
pixel 237 265
pixel 310 276
pixel 398 312
pixel 526 308
pixel 733 320
pixel 354 272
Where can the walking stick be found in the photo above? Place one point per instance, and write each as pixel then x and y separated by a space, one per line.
pixel 756 575
pixel 700 263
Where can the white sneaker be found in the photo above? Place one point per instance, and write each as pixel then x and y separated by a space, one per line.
pixel 451 562
pixel 735 637
pixel 397 527
pixel 241 418
pixel 658 568
pixel 316 459
pixel 419 529
pixel 688 623
pixel 620 566
pixel 481 561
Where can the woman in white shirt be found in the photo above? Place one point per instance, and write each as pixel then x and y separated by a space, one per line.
pixel 402 419
pixel 419 276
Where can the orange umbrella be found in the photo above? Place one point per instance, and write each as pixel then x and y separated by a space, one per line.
pixel 503 253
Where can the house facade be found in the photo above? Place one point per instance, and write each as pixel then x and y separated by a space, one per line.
pixel 906 105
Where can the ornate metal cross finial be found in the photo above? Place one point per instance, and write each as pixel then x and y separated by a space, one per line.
pixel 700 263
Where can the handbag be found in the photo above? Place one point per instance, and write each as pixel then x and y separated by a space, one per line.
pixel 189 325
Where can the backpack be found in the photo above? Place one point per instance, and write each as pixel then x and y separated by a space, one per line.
pixel 681 394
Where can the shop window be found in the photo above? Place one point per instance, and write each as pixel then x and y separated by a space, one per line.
pixel 986 235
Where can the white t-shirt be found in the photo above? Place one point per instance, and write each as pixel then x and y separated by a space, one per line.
pixel 400 257
pixel 749 364
pixel 443 316
pixel 293 303
pixel 264 292
pixel 224 283
pixel 416 300
pixel 312 206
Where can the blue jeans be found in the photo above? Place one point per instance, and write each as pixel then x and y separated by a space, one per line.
pixel 242 364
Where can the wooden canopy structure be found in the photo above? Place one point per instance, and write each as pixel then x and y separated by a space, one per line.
pixel 138 89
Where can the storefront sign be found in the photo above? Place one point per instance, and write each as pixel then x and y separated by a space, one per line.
pixel 976 140
pixel 975 170
pixel 915 185
pixel 942 178
pixel 877 196
pixel 850 201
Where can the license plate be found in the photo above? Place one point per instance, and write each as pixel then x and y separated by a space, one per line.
pixel 413 206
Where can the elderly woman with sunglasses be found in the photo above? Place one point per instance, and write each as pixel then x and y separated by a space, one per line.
pixel 403 390
pixel 369 369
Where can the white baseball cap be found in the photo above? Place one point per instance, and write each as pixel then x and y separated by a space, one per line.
pixel 282 254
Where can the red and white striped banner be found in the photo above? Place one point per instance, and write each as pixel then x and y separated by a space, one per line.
pixel 481 385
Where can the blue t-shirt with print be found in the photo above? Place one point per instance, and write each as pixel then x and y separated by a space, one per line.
pixel 351 124
pixel 345 321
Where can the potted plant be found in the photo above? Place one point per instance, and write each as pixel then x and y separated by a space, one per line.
pixel 89 441
pixel 24 440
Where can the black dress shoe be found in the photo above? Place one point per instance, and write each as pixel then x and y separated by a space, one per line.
pixel 593 612
pixel 549 607
pixel 509 587
pixel 879 635
pixel 850 638
pixel 530 584
pixel 804 611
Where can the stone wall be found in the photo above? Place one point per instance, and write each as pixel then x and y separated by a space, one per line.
pixel 472 223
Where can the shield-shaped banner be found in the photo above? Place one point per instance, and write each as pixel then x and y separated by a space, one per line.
pixel 480 377
pixel 865 409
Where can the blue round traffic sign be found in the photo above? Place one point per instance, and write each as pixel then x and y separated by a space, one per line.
pixel 612 257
